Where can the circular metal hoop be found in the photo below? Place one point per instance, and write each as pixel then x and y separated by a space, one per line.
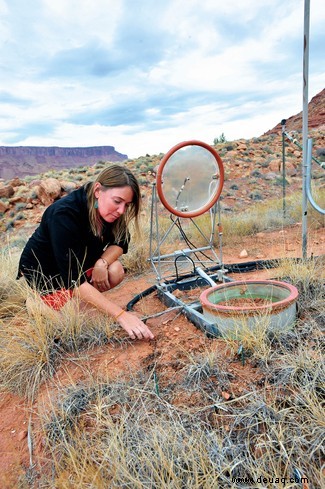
pixel 190 178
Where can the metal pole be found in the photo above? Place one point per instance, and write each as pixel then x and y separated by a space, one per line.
pixel 283 124
pixel 309 195
pixel 305 127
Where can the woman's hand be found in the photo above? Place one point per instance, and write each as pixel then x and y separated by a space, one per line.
pixel 134 326
pixel 99 276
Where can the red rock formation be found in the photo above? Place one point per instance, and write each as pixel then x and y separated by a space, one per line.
pixel 316 116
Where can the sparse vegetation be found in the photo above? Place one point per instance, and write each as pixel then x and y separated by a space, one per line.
pixel 220 139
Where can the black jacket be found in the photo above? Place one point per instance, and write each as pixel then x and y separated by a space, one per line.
pixel 63 246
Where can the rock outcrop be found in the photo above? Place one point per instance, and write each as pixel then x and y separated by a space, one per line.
pixel 316 116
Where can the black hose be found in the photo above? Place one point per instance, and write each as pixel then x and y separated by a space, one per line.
pixel 140 296
pixel 248 266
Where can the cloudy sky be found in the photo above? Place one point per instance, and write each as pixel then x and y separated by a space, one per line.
pixel 144 75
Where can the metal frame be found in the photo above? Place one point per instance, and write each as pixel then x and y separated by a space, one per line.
pixel 200 275
pixel 165 264
pixel 193 311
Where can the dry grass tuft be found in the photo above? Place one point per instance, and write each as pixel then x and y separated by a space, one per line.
pixel 136 260
pixel 309 278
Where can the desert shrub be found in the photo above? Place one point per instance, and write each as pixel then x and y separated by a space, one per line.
pixel 82 169
pixel 100 164
pixel 279 181
pixel 256 196
pixel 9 225
pixel 266 163
pixel 142 181
pixel 321 154
pixel 20 217
pixel 220 139
pixel 33 194
pixel 78 178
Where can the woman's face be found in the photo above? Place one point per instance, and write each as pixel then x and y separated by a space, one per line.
pixel 113 202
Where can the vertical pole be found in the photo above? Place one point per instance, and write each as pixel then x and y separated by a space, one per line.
pixel 220 232
pixel 305 127
pixel 153 200
pixel 283 124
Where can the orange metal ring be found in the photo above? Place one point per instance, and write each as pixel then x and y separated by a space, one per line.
pixel 159 182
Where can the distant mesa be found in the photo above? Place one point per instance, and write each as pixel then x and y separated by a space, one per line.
pixel 20 161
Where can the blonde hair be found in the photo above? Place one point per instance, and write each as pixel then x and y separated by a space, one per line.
pixel 111 177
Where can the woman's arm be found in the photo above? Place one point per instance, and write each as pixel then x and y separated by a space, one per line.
pixel 129 322
pixel 111 254
pixel 101 276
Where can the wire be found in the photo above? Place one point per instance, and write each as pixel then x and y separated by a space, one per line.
pixel 181 257
pixel 180 191
pixel 186 239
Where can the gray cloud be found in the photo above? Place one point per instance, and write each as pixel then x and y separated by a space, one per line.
pixel 91 59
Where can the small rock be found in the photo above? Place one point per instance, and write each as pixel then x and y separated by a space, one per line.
pixel 22 435
pixel 68 186
pixel 270 176
pixel 243 254
pixel 3 207
pixel 225 395
pixel 49 190
pixel 6 192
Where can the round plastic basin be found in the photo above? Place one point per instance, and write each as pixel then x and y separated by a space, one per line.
pixel 235 306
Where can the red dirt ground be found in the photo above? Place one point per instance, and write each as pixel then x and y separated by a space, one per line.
pixel 175 339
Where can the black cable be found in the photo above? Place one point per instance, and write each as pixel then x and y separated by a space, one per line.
pixel 140 296
pixel 187 241
pixel 181 257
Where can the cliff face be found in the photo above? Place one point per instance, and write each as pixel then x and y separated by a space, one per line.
pixel 20 161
